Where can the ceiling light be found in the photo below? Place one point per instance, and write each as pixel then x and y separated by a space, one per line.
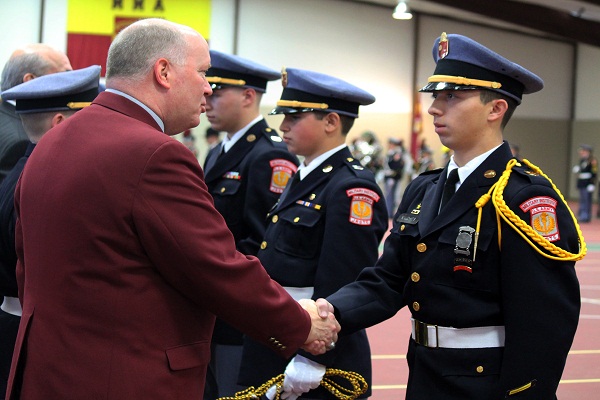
pixel 401 11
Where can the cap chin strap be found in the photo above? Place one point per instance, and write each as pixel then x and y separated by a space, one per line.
pixel 521 227
pixel 225 81
pixel 302 104
pixel 461 80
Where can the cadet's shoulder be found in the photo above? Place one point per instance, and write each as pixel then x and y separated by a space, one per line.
pixel 354 168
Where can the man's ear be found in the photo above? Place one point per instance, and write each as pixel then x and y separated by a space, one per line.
pixel 57 119
pixel 28 76
pixel 499 108
pixel 162 72
pixel 249 95
pixel 332 121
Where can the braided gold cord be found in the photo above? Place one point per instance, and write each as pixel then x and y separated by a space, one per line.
pixel 359 386
pixel 521 227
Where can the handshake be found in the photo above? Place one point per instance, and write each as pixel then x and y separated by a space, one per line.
pixel 324 327
pixel 301 374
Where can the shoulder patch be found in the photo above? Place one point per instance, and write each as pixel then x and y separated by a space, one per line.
pixel 281 171
pixel 544 221
pixel 361 205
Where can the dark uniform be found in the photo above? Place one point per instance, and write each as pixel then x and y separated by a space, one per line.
pixel 324 230
pixel 45 94
pixel 13 140
pixel 586 170
pixel 493 316
pixel 245 182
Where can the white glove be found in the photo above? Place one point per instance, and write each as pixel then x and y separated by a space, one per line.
pixel 301 375
pixel 576 169
pixel 271 392
pixel 591 187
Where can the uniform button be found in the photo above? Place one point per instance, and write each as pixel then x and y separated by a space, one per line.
pixel 415 277
pixel 296 219
pixel 275 219
pixel 416 306
pixel 479 369
pixel 263 245
pixel 222 190
pixel 421 247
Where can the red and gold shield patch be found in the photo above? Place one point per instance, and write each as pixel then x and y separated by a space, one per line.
pixel 361 206
pixel 282 171
pixel 543 216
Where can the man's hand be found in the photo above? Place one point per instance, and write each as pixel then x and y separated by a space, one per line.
pixel 324 327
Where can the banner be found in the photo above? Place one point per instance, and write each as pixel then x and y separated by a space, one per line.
pixel 92 24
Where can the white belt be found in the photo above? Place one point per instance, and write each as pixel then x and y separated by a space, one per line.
pixel 454 338
pixel 11 305
pixel 298 293
pixel 585 175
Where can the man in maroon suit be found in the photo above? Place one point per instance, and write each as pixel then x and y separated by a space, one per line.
pixel 123 260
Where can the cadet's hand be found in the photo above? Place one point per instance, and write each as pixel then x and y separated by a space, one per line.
pixel 591 187
pixel 323 331
pixel 324 307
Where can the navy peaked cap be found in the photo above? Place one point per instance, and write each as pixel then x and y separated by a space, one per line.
pixel 462 64
pixel 231 70
pixel 69 90
pixel 306 91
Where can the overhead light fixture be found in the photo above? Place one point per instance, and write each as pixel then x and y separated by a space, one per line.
pixel 401 11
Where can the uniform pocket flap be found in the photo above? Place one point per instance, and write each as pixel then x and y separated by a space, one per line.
pixel 188 356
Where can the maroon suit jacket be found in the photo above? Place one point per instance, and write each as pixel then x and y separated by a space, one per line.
pixel 124 263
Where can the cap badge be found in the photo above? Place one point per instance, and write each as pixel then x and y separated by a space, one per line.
pixel 443 48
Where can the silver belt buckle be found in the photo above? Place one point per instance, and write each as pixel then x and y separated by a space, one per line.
pixel 422 334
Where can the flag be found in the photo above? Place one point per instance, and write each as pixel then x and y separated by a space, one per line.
pixel 417 127
pixel 92 24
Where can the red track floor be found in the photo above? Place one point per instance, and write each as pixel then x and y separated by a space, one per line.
pixel 581 378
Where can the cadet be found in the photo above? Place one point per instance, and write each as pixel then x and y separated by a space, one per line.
pixel 325 228
pixel 245 175
pixel 489 276
pixel 586 171
pixel 42 103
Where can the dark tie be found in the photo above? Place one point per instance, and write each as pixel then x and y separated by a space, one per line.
pixel 289 186
pixel 449 187
pixel 213 158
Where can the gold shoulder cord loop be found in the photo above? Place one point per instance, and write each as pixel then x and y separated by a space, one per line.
pixel 359 386
pixel 521 227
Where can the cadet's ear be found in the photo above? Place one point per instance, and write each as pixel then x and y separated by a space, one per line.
pixel 332 121
pixel 499 108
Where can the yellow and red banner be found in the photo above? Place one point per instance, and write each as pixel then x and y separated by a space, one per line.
pixel 92 24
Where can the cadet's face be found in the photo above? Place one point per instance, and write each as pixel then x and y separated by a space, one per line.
pixel 190 87
pixel 223 109
pixel 459 118
pixel 303 133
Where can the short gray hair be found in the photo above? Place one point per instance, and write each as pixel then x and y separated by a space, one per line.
pixel 19 65
pixel 135 49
